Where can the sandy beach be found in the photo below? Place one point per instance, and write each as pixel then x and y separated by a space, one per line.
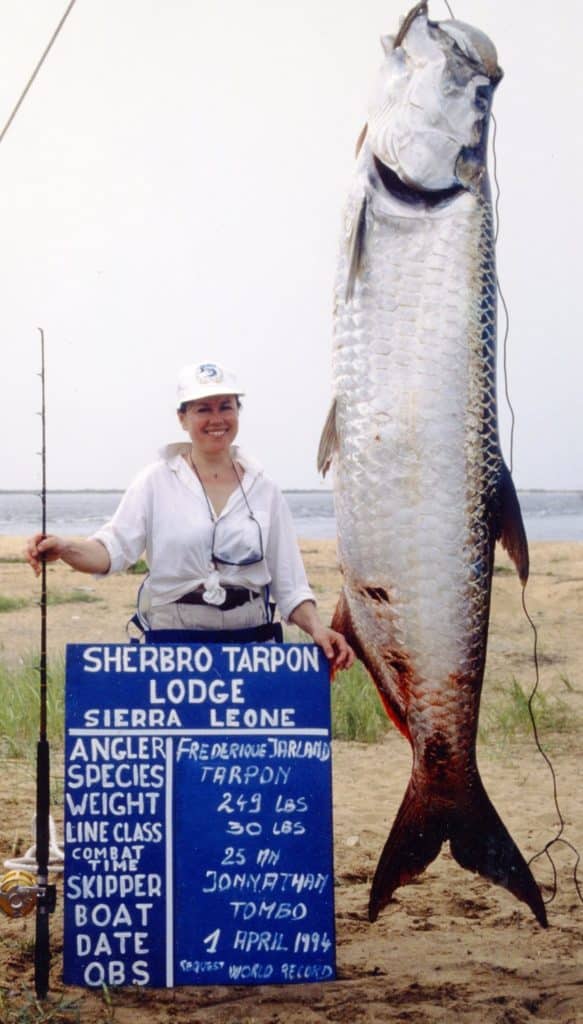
pixel 450 947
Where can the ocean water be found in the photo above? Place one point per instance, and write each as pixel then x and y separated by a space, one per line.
pixel 548 515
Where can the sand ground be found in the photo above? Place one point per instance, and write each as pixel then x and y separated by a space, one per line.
pixel 450 947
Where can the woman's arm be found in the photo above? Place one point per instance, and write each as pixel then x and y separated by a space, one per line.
pixel 83 555
pixel 334 645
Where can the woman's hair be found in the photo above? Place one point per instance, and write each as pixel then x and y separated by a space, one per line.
pixel 182 408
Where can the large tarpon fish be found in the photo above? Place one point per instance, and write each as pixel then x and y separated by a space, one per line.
pixel 421 489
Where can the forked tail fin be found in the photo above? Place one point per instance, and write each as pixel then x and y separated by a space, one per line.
pixel 479 841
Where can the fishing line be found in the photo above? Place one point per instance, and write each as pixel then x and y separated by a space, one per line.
pixel 37 69
pixel 498 286
pixel 558 839
pixel 559 836
pixel 501 294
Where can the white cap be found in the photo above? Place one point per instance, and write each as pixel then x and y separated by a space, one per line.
pixel 201 380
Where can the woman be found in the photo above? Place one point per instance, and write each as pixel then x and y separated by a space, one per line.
pixel 218 535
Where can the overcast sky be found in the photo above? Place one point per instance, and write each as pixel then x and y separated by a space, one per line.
pixel 171 191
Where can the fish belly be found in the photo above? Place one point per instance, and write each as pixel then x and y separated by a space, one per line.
pixel 418 456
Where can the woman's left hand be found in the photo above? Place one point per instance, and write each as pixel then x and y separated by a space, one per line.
pixel 335 647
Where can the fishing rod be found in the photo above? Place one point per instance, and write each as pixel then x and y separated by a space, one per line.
pixel 45 893
pixel 19 895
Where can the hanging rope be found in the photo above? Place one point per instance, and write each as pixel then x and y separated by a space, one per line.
pixel 37 69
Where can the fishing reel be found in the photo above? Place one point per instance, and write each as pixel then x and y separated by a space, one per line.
pixel 18 893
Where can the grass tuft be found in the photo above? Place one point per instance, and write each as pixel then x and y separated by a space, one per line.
pixel 139 568
pixel 12 604
pixel 505 714
pixel 28 1010
pixel 19 707
pixel 357 713
pixel 71 597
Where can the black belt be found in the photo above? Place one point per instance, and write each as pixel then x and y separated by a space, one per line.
pixel 252 635
pixel 234 598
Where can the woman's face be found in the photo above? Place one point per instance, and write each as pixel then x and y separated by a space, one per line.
pixel 211 423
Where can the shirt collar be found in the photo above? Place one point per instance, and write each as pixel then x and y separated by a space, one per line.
pixel 172 455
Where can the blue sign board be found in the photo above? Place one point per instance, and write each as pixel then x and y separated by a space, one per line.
pixel 198 820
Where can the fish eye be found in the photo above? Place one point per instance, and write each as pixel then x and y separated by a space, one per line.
pixel 465 56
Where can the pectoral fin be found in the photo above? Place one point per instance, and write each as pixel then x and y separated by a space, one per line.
pixel 328 441
pixel 356 244
pixel 510 531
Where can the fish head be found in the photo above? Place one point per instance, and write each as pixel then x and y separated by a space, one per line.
pixel 429 110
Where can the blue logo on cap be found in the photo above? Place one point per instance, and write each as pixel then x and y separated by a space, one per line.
pixel 209 372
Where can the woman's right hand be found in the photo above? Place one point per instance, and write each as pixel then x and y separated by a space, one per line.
pixel 41 548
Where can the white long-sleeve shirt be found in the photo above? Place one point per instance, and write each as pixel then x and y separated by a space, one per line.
pixel 164 512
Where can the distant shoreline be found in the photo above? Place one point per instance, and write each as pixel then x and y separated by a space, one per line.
pixel 286 490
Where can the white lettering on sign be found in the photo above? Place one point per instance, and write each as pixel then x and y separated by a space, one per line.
pixel 114 943
pixel 197 691
pixel 294 657
pixel 201 966
pixel 306 972
pixel 320 750
pixel 115 804
pixel 251 718
pixel 140 658
pixel 259 942
pixel 115 776
pixel 250 972
pixel 118 748
pixel 248 909
pixel 245 775
pixel 262 881
pixel 95 887
pixel 196 750
pixel 115 972
pixel 103 915
pixel 130 718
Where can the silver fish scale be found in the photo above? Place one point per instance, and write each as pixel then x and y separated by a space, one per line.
pixel 418 458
